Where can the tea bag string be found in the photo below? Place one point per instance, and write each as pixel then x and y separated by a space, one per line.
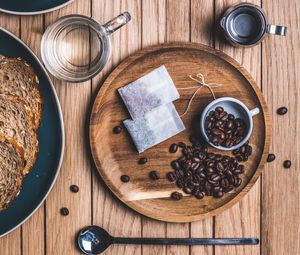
pixel 199 78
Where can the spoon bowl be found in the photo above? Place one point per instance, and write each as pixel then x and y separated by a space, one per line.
pixel 93 240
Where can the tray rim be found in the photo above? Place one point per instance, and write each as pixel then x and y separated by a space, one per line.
pixel 61 156
pixel 121 66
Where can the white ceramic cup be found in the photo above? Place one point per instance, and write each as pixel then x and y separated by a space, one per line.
pixel 235 107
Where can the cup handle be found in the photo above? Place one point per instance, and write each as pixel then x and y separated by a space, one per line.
pixel 254 111
pixel 276 30
pixel 117 22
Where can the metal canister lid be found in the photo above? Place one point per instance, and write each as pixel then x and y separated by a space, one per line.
pixel 244 24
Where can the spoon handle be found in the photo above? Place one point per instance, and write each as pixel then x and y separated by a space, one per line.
pixel 188 241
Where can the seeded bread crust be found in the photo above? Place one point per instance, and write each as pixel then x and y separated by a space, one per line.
pixel 19 79
pixel 16 121
pixel 11 170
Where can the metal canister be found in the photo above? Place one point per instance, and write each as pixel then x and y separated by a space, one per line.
pixel 245 25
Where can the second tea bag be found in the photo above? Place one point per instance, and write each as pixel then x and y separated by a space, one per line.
pixel 148 92
pixel 154 127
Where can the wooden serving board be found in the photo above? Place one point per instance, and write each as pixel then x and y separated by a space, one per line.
pixel 115 154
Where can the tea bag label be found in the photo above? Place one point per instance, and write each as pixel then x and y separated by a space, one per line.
pixel 148 92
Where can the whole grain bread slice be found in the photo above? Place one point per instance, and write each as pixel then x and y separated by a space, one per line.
pixel 11 170
pixel 16 122
pixel 19 79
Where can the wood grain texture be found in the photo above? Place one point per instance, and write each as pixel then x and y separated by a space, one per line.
pixel 31 33
pixel 60 230
pixel 202 31
pixel 174 20
pixel 281 86
pixel 107 211
pixel 178 28
pixel 11 23
pixel 153 32
pixel 243 219
pixel 115 155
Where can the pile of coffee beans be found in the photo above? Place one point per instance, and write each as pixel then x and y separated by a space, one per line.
pixel 242 153
pixel 199 172
pixel 224 129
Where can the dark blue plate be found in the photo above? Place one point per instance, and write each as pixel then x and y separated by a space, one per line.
pixel 31 7
pixel 40 180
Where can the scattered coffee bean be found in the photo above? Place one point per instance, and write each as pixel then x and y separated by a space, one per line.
pixel 224 129
pixel 154 175
pixel 173 148
pixel 64 211
pixel 74 188
pixel 143 161
pixel 271 157
pixel 287 164
pixel 282 110
pixel 176 195
pixel 125 178
pixel 181 144
pixel 117 129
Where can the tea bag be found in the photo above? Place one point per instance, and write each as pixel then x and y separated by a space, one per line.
pixel 148 92
pixel 154 127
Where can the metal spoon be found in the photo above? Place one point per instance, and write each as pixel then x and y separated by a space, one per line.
pixel 94 240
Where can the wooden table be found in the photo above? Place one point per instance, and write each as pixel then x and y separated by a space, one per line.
pixel 270 211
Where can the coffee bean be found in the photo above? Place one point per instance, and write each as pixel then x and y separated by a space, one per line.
pixel 171 176
pixel 287 164
pixel 64 211
pixel 220 109
pixel 199 195
pixel 218 194
pixel 224 183
pixel 154 175
pixel 282 110
pixel 117 129
pixel 237 182
pixel 74 188
pixel 173 148
pixel 187 190
pixel 176 195
pixel 181 144
pixel 199 172
pixel 125 178
pixel 271 157
pixel 142 161
pixel 223 129
pixel 180 183
pixel 227 189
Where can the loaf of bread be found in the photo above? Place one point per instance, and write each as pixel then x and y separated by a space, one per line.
pixel 11 170
pixel 16 121
pixel 19 79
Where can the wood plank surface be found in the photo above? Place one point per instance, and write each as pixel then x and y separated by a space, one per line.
pixel 108 212
pixel 243 219
pixel 74 99
pixel 153 32
pixel 281 86
pixel 178 29
pixel 270 210
pixel 202 31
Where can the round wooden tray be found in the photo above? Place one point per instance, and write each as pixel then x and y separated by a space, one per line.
pixel 115 154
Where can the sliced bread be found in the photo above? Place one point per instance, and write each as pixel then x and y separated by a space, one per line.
pixel 11 168
pixel 16 122
pixel 19 79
